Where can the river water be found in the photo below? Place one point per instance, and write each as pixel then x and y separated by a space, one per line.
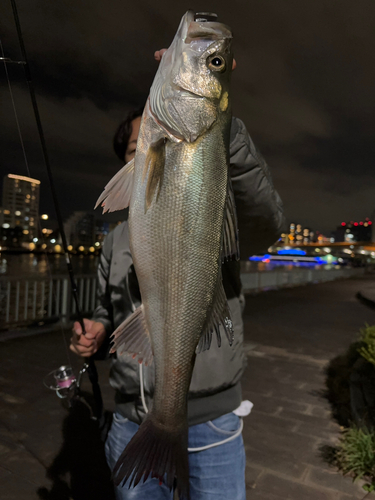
pixel 29 265
pixel 46 265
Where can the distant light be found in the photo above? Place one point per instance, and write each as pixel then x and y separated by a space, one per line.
pixel 327 249
pixel 356 223
pixel 44 231
pixel 369 223
pixel 81 248
pixel 92 249
pixel 97 244
pixel 53 240
pixel 6 212
pixel 58 248
pixel 23 178
pixel 346 250
pixel 291 251
pixel 343 223
pixel 44 216
pixel 6 225
pixel 35 240
pixel 70 248
pixel 317 250
pixel 31 246
pixel 25 231
pixel 44 246
pixel 17 212
pixel 361 223
pixel 332 240
pixel 365 224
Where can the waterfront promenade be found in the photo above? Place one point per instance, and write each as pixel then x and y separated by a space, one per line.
pixel 290 337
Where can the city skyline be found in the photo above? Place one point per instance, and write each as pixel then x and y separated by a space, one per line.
pixel 303 88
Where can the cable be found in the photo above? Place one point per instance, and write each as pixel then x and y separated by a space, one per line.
pixel 219 443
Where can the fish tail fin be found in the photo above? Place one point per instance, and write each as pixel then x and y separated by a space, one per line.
pixel 157 452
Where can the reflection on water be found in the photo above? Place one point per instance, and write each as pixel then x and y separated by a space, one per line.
pixel 31 265
pixel 42 265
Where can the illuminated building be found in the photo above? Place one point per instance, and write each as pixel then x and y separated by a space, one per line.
pixel 354 231
pixel 21 204
pixel 298 235
pixel 80 229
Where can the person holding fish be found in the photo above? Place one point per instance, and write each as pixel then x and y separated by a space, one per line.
pixel 169 277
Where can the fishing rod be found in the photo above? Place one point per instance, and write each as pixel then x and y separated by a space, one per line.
pixel 66 383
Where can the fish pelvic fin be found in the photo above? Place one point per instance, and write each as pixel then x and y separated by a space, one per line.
pixel 158 452
pixel 230 242
pixel 116 194
pixel 155 161
pixel 134 338
pixel 219 315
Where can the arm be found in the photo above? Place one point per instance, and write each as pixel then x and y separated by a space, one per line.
pixel 96 340
pixel 259 207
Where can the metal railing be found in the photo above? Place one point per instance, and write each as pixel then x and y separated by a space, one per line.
pixel 24 302
pixel 279 278
pixel 32 300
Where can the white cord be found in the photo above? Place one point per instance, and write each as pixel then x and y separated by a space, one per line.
pixel 191 450
pixel 218 443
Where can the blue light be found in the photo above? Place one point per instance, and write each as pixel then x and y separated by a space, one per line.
pixel 291 251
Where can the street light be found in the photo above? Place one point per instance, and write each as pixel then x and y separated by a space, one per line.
pixel 44 217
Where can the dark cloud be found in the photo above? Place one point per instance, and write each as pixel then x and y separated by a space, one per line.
pixel 304 87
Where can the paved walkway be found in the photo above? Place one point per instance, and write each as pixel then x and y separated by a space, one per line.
pixel 290 336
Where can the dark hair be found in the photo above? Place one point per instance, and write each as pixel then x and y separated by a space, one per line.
pixel 123 133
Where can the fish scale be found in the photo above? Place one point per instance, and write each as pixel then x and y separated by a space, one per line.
pixel 182 223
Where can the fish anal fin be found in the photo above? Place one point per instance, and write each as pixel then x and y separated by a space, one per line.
pixel 155 161
pixel 230 241
pixel 219 315
pixel 132 337
pixel 116 194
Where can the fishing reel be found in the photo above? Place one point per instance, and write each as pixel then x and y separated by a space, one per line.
pixel 64 382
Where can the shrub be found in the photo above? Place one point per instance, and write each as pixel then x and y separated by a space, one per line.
pixel 367 337
pixel 355 454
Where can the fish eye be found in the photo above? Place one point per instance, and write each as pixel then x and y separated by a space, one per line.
pixel 216 63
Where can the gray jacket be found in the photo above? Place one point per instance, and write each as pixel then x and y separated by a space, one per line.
pixel 215 387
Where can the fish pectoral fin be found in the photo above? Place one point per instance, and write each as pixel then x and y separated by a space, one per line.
pixel 220 315
pixel 155 161
pixel 116 194
pixel 134 338
pixel 230 243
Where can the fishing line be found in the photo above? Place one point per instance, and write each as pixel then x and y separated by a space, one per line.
pixel 91 368
pixel 49 272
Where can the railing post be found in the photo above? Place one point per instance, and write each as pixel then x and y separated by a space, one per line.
pixel 64 301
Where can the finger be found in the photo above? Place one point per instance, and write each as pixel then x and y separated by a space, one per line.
pixel 159 54
pixel 234 65
pixel 77 328
pixel 82 341
pixel 83 351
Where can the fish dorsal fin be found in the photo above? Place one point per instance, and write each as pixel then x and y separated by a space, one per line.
pixel 219 316
pixel 116 194
pixel 134 338
pixel 230 242
pixel 155 161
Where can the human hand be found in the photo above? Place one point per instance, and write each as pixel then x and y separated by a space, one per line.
pixel 87 345
pixel 159 54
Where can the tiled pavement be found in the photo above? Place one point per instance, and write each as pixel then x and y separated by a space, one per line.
pixel 290 336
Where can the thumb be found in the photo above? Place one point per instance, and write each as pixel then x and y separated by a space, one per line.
pixel 77 328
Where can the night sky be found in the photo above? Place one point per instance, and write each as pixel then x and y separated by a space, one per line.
pixel 304 86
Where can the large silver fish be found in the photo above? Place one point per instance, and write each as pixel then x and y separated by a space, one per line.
pixel 182 225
